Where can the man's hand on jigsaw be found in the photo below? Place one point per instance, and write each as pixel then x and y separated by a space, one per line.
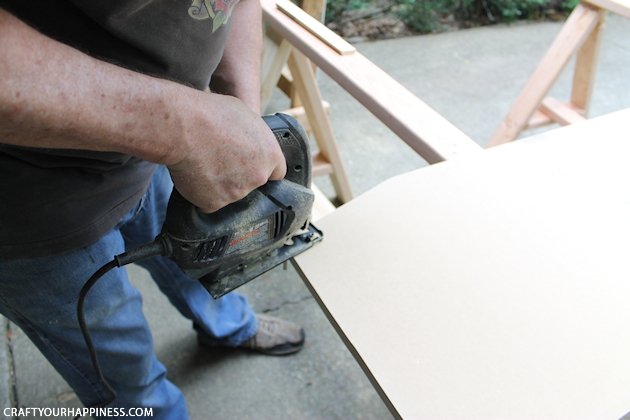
pixel 221 158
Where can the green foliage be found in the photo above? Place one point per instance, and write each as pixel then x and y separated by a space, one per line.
pixel 568 5
pixel 335 8
pixel 422 15
pixel 503 10
pixel 425 15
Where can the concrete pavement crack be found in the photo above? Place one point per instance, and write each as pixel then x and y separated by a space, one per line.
pixel 9 383
pixel 621 46
pixel 287 302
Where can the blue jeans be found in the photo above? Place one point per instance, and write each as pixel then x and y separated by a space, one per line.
pixel 40 295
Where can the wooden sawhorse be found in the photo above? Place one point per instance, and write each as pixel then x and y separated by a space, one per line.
pixel 295 74
pixel 580 35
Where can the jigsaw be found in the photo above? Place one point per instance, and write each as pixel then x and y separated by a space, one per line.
pixel 236 244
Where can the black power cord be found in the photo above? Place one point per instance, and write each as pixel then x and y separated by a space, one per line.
pixel 158 247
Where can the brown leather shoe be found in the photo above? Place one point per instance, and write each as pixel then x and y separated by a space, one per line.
pixel 274 336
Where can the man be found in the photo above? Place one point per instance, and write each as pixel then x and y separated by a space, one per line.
pixel 102 103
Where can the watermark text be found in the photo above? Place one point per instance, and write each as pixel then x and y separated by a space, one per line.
pixel 80 412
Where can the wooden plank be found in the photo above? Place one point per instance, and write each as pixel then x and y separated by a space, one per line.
pixel 285 83
pixel 300 114
pixel 586 66
pixel 321 166
pixel 321 206
pixel 273 61
pixel 538 119
pixel 574 32
pixel 421 127
pixel 304 81
pixel 489 288
pixel 315 27
pixel 563 114
pixel 620 7
pixel 315 8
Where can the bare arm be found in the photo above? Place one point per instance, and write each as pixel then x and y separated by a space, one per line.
pixel 238 73
pixel 52 95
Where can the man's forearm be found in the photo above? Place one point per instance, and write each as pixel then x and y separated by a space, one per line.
pixel 238 73
pixel 54 96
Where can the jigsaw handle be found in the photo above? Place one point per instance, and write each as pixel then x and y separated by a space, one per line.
pixel 293 141
pixel 187 222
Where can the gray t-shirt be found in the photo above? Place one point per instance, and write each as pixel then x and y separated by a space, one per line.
pixel 57 200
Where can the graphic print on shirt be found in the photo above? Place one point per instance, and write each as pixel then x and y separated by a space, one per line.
pixel 217 10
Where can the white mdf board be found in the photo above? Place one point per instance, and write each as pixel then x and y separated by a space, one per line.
pixel 492 286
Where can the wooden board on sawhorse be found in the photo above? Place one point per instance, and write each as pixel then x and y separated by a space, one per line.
pixel 295 74
pixel 427 132
pixel 580 35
